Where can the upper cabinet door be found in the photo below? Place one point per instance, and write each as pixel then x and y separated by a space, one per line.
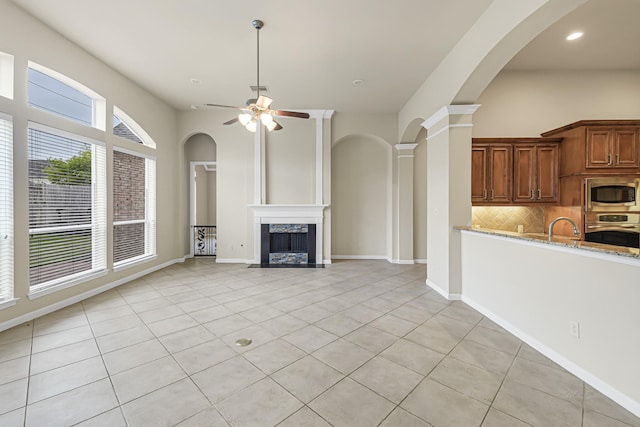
pixel 524 188
pixel 598 146
pixel 626 148
pixel 547 173
pixel 500 170
pixel 479 166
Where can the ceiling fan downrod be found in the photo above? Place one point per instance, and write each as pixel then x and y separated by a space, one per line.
pixel 257 24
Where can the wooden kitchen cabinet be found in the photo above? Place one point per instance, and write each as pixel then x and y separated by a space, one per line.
pixel 617 148
pixel 535 173
pixel 606 147
pixel 491 173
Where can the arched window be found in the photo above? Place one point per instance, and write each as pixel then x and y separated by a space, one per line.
pixel 54 92
pixel 134 194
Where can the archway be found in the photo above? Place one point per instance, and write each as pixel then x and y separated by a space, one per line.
pixel 201 194
pixel 361 198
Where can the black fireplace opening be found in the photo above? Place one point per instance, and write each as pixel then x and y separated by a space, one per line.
pixel 288 244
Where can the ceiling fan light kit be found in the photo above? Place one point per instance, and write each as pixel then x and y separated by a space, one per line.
pixel 257 110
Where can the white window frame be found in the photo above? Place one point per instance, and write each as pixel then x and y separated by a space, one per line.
pixel 99 105
pixel 149 213
pixel 6 221
pixel 147 141
pixel 6 75
pixel 98 224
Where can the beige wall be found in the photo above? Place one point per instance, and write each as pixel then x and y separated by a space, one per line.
pixel 27 39
pixel 519 103
pixel 205 196
pixel 360 180
pixel 290 163
pixel 601 294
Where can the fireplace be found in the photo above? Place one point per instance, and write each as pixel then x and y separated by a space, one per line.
pixel 288 235
pixel 288 244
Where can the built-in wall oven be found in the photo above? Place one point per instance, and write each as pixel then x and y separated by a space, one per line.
pixel 612 211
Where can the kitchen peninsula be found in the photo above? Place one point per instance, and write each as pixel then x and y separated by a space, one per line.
pixel 574 301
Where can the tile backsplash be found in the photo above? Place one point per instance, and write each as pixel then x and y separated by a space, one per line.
pixel 507 218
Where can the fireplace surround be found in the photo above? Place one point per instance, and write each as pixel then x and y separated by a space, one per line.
pixel 288 235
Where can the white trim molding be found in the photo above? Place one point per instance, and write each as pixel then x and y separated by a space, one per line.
pixel 600 385
pixel 405 146
pixel 449 110
pixel 450 297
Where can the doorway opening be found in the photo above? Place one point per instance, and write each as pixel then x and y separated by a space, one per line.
pixel 203 240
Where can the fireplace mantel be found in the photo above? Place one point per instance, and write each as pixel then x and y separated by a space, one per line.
pixel 288 214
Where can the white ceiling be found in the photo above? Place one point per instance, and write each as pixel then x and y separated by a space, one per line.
pixel 312 50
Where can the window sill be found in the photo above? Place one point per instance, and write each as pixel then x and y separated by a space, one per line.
pixel 8 303
pixel 133 262
pixel 64 284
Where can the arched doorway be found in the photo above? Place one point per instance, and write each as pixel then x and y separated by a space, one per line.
pixel 201 191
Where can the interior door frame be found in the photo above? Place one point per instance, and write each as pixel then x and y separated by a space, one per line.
pixel 209 167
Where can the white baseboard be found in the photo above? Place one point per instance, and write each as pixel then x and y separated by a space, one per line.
pixel 450 297
pixel 81 297
pixel 420 261
pixel 595 382
pixel 361 257
pixel 327 261
pixel 403 261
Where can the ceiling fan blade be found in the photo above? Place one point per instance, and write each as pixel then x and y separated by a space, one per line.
pixel 291 114
pixel 225 106
pixel 278 127
pixel 232 121
pixel 264 101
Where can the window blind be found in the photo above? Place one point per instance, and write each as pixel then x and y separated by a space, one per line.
pixel 67 206
pixel 6 208
pixel 133 206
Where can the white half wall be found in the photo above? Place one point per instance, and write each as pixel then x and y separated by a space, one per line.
pixel 536 290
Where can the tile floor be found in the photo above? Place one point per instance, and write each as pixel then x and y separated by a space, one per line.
pixel 359 343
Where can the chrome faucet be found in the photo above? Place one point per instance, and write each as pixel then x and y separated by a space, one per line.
pixel 575 227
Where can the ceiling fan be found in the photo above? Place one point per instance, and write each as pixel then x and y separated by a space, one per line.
pixel 258 109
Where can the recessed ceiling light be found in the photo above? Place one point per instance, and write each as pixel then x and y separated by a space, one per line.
pixel 195 81
pixel 358 82
pixel 575 36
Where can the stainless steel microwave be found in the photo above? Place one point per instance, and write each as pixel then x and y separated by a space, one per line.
pixel 613 194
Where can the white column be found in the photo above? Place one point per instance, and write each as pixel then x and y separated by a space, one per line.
pixel 448 194
pixel 403 252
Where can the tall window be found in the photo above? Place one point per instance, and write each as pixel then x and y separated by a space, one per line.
pixel 133 207
pixel 67 207
pixel 6 209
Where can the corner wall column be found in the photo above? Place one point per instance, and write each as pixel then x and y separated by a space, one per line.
pixel 449 133
pixel 403 252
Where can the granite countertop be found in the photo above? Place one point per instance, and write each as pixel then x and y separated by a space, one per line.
pixel 558 241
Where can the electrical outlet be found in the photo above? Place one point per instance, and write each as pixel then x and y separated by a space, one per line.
pixel 574 329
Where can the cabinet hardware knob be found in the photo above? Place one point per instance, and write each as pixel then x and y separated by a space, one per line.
pixel 618 159
pixel 484 194
pixel 533 197
pixel 539 194
pixel 492 193
pixel 609 164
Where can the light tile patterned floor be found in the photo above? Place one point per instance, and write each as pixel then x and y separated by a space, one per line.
pixel 359 343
